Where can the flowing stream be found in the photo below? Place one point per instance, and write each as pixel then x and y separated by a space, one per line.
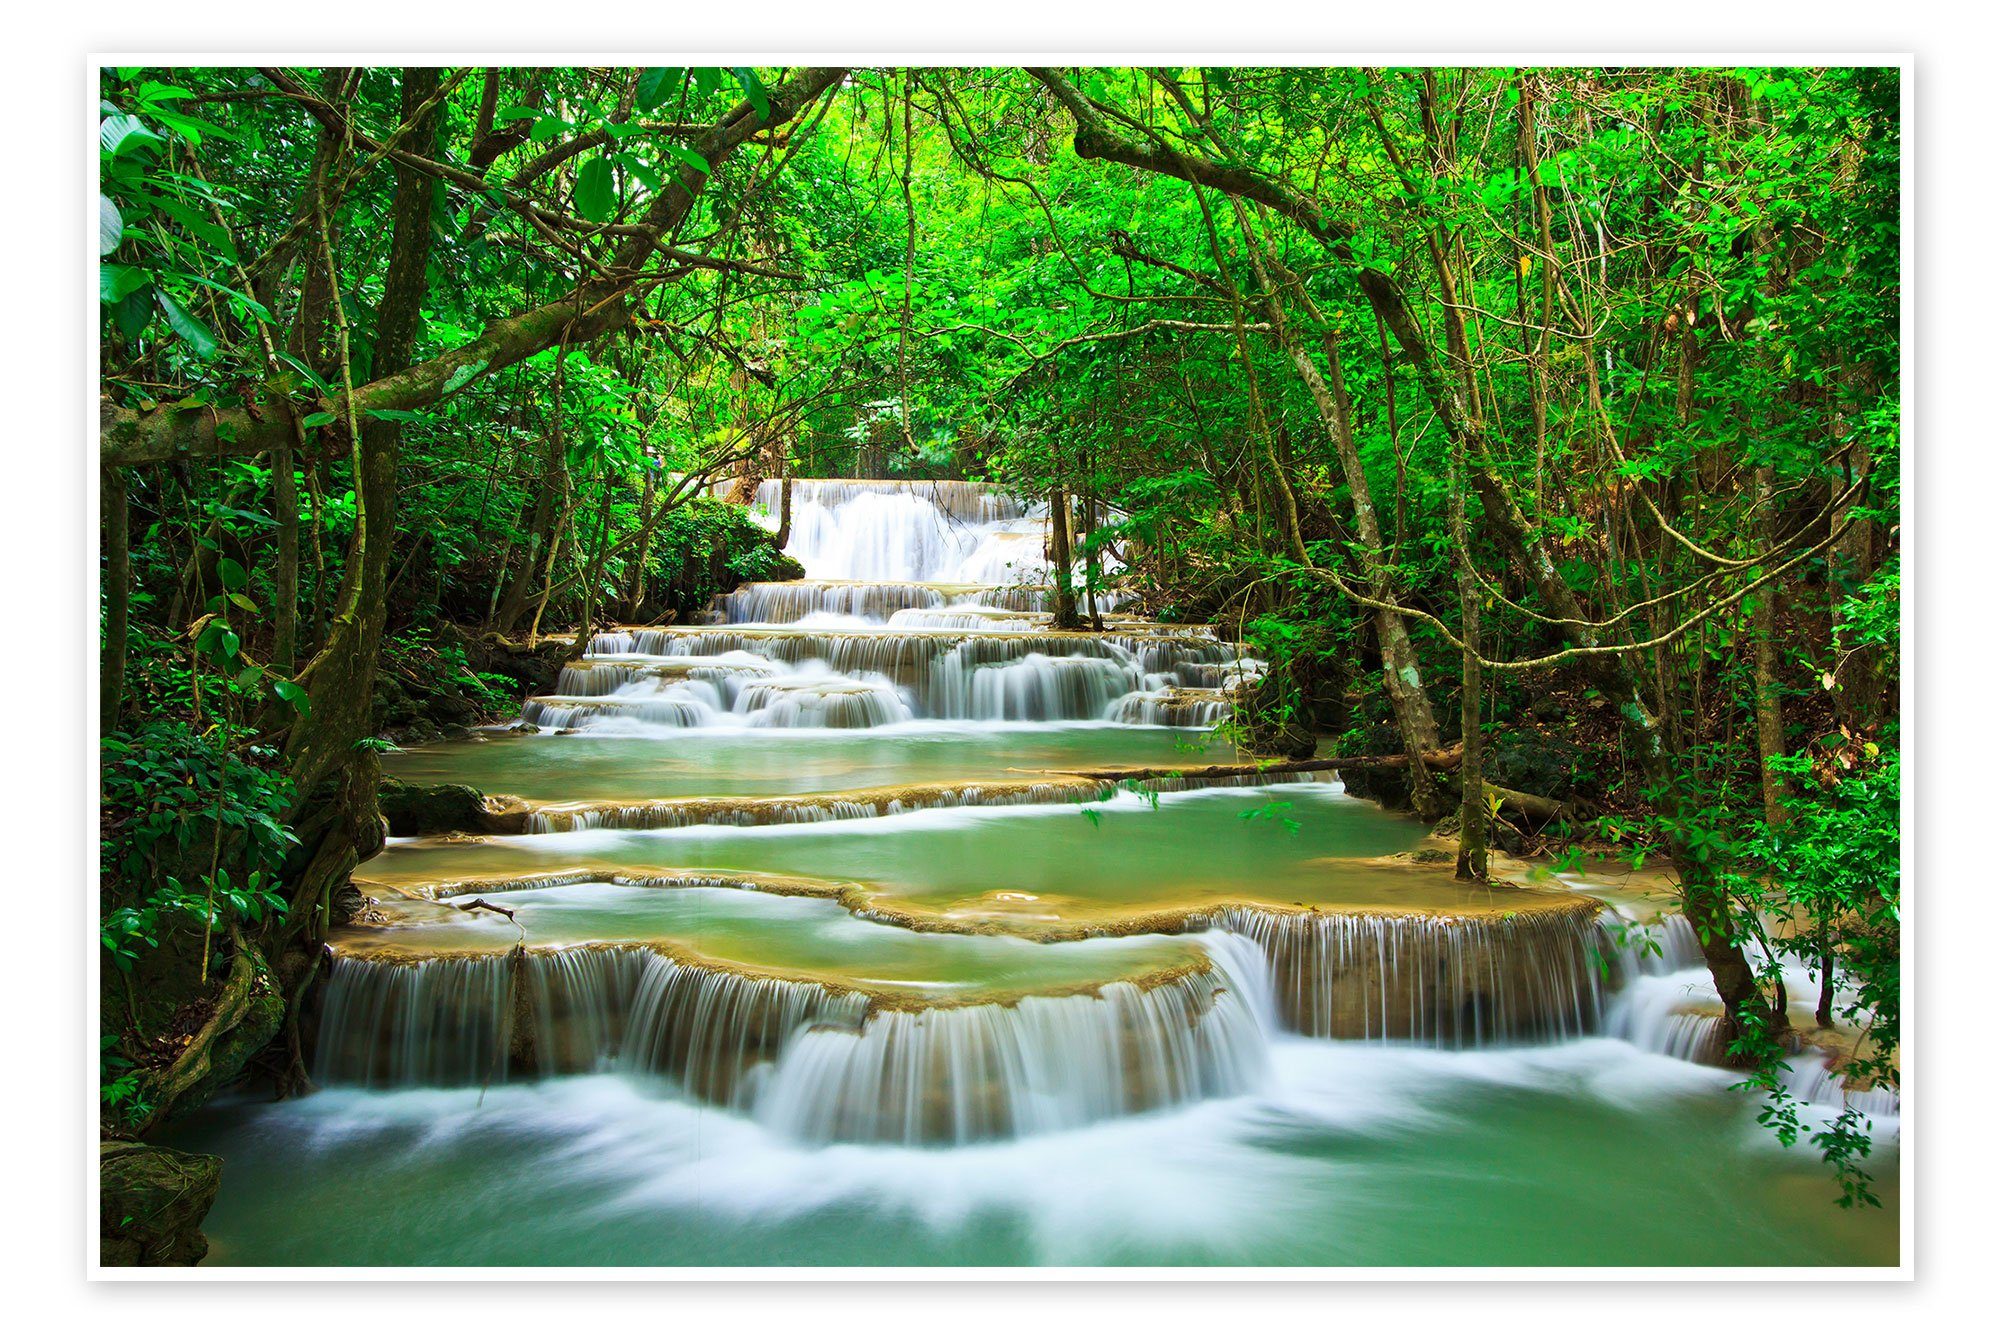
pixel 828 946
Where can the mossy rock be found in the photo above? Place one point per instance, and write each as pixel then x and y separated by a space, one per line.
pixel 416 811
pixel 151 1202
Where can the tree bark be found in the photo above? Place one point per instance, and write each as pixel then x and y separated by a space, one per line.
pixel 1471 788
pixel 1060 560
pixel 1770 706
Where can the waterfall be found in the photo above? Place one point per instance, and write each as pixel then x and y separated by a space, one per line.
pixel 445 1021
pixel 1041 1064
pixel 1449 981
pixel 816 1062
pixel 1669 1005
pixel 786 603
pixel 797 676
pixel 910 532
pixel 1171 707
pixel 453 1021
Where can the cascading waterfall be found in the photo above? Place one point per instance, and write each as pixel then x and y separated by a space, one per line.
pixel 924 600
pixel 1036 1066
pixel 798 677
pixel 911 532
pixel 1449 981
pixel 1669 1005
pixel 815 1062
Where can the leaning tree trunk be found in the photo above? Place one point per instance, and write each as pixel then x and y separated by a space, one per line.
pixel 336 792
pixel 1401 677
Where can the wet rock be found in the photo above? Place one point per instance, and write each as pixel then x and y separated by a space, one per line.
pixel 151 1202
pixel 421 810
pixel 415 811
pixel 348 905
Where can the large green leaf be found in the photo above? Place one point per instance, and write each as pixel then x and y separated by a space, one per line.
pixel 753 88
pixel 191 329
pixel 134 313
pixel 656 85
pixel 119 134
pixel 115 282
pixel 110 226
pixel 596 190
pixel 686 156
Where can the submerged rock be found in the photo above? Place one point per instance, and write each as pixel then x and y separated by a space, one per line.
pixel 151 1202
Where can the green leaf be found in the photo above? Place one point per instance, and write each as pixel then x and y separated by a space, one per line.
pixel 234 577
pixel 753 88
pixel 656 85
pixel 115 282
pixel 596 191
pixel 686 156
pixel 395 414
pixel 110 226
pixel 312 377
pixel 314 420
pixel 192 330
pixel 294 694
pixel 134 313
pixel 120 134
pixel 244 602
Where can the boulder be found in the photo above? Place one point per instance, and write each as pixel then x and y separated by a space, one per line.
pixel 415 810
pixel 151 1202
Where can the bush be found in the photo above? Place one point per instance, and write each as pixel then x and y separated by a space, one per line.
pixel 707 546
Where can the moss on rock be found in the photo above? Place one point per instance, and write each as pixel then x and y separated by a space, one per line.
pixel 151 1202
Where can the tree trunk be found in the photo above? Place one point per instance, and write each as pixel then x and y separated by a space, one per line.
pixel 1764 672
pixel 285 615
pixel 321 750
pixel 1472 792
pixel 541 533
pixel 1401 677
pixel 1061 560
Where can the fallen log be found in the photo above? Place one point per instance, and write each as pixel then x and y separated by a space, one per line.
pixel 1536 807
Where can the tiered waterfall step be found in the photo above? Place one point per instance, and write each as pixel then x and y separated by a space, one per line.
pixel 787 676
pixel 789 1009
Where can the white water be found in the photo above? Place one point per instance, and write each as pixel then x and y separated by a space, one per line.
pixel 923 600
pixel 916 532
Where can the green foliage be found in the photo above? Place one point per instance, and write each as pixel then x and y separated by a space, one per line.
pixel 194 834
pixel 706 546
